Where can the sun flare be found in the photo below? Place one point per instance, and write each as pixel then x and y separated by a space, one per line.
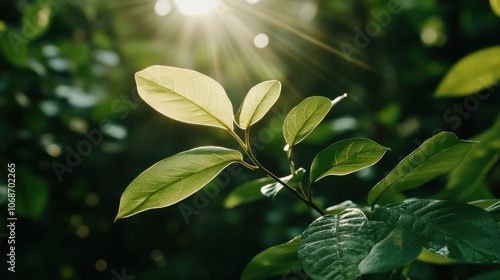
pixel 195 7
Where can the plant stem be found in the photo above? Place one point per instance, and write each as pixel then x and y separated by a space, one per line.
pixel 250 154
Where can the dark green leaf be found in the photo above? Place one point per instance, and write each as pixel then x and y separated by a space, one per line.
pixel 273 261
pixel 451 229
pixel 345 157
pixel 394 247
pixel 476 71
pixel 257 103
pixel 333 246
pixel 436 156
pixel 185 95
pixel 247 192
pixel 302 119
pixel 175 178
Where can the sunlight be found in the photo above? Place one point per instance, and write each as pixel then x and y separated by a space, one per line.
pixel 195 7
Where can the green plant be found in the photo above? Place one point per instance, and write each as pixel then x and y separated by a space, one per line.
pixel 347 240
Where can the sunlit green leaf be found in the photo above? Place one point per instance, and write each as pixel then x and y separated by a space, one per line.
pixel 273 261
pixel 394 247
pixel 257 103
pixel 436 156
pixel 302 119
pixel 345 157
pixel 495 6
pixel 333 246
pixel 477 71
pixel 451 229
pixel 430 257
pixel 247 192
pixel 175 178
pixel 469 175
pixel 185 95
pixel 270 190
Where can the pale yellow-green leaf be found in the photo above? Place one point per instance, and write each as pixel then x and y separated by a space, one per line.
pixel 257 103
pixel 174 179
pixel 185 95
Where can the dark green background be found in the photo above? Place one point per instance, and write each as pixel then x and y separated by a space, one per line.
pixel 60 81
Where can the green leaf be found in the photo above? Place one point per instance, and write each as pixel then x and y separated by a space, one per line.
pixel 394 247
pixel 257 103
pixel 14 47
pixel 345 157
pixel 468 176
pixel 36 19
pixel 341 207
pixel 247 192
pixel 429 257
pixel 333 246
pixel 175 178
pixel 185 95
pixel 451 229
pixel 495 6
pixel 475 72
pixel 270 190
pixel 273 261
pixel 436 156
pixel 302 119
pixel 32 193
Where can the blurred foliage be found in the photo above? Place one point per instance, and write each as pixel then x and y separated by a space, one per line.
pixel 78 133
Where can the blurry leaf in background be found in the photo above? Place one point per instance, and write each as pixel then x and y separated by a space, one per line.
pixel 247 192
pixel 468 176
pixel 14 47
pixel 495 6
pixel 37 18
pixel 477 71
pixel 276 260
pixel 32 193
